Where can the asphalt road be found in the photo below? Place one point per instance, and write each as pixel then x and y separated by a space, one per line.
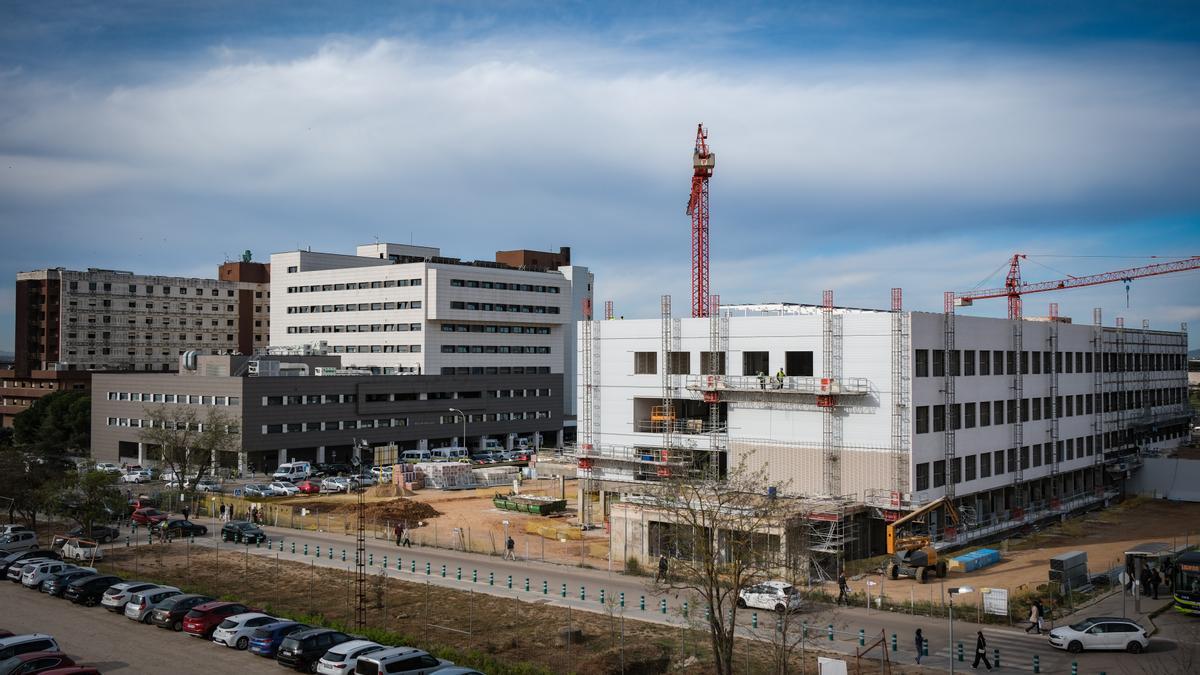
pixel 113 644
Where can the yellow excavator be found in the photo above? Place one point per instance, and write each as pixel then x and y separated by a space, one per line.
pixel 914 555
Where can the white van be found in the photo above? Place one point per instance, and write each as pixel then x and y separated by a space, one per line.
pixel 491 445
pixel 411 456
pixel 293 471
pixel 450 454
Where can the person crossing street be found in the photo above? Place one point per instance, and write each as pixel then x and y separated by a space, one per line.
pixel 981 652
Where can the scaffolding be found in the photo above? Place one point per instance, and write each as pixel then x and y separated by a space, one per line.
pixel 665 413
pixel 589 409
pixel 831 420
pixel 718 346
pixel 826 529
pixel 1018 424
pixel 1098 385
pixel 900 393
pixel 1055 366
pixel 950 367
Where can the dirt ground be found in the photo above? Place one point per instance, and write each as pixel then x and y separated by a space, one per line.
pixel 1104 535
pixel 498 635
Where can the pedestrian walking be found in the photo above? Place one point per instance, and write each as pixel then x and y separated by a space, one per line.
pixel 407 542
pixel 399 532
pixel 186 512
pixel 981 652
pixel 509 548
pixel 1041 620
pixel 843 589
pixel 1035 612
pixel 920 639
pixel 662 568
pixel 1155 581
pixel 1145 581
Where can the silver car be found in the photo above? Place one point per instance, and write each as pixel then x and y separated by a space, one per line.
pixel 141 604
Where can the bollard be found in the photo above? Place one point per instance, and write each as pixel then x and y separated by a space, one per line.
pixel 582 592
pixel 685 609
pixel 192 540
pixel 564 590
pixel 642 603
pixel 491 578
pixel 526 584
pixel 413 563
pixel 1074 668
pixel 150 537
pixel 293 548
pixel 545 587
pixel 443 571
pixel 331 552
pixel 893 642
pixel 602 596
pixel 804 629
pixel 371 560
pixel 343 555
pixel 427 566
pixel 622 600
pixel 510 582
pixel 960 652
pixel 707 615
pixel 474 576
pixel 862 637
pixel 925 647
pixel 458 574
pixel 126 542
pixel 258 543
pixel 831 632
pixel 1037 664
pixel 754 619
pixel 400 565
pixel 996 651
pixel 662 605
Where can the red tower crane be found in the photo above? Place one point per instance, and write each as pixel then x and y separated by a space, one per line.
pixel 703 161
pixel 1013 288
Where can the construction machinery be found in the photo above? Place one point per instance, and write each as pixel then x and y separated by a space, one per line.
pixel 914 554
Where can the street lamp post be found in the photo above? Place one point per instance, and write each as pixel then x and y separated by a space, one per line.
pixel 950 647
pixel 464 419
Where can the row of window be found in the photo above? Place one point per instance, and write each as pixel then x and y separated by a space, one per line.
pixel 503 286
pixel 354 286
pixel 970 362
pixel 493 349
pixel 393 423
pixel 489 328
pixel 354 307
pixel 986 413
pixel 188 399
pixel 987 464
pixel 375 349
pixel 166 306
pixel 498 417
pixel 496 307
pixel 148 289
pixel 357 328
pixel 795 363
pixel 496 370
pixel 164 424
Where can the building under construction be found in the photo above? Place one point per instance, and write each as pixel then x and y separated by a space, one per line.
pixel 864 414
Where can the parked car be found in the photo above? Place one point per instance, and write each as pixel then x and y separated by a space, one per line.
pixel 400 661
pixel 54 586
pixel 89 590
pixel 265 640
pixel 343 658
pixel 26 644
pixel 169 612
pixel 19 556
pixel 292 471
pixel 77 549
pixel 202 620
pixel 141 605
pixel 257 490
pixel 235 631
pixel 15 542
pixel 335 484
pixel 32 576
pixel 334 469
pixel 141 476
pixel 99 533
pixel 35 663
pixel 1102 632
pixel 779 596
pixel 242 531
pixel 141 502
pixel 283 488
pixel 208 485
pixel 309 487
pixel 148 516
pixel 13 527
pixel 118 594
pixel 178 527
pixel 109 468
pixel 363 480
pixel 301 650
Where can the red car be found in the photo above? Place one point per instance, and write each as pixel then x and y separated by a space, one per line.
pixel 148 516
pixel 203 619
pixel 309 487
pixel 38 662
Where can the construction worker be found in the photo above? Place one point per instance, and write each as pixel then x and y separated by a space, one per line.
pixel 843 589
pixel 779 379
pixel 762 380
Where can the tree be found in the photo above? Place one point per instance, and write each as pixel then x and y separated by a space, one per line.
pixel 87 497
pixel 722 536
pixel 25 477
pixel 59 424
pixel 189 448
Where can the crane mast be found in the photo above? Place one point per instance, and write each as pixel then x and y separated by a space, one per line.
pixel 703 161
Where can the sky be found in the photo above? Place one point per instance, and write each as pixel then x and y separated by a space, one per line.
pixel 860 145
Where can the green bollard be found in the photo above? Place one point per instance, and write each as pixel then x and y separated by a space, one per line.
pixel 427 567
pixel 960 652
pixel 925 647
pixel 371 560
pixel 331 552
pixel 804 629
pixel 1074 668
pixel 491 578
pixel 443 571
pixel 582 592
pixel 258 543
pixel 385 563
pixel 126 542
pixel 293 548
pixel 602 596
pixel 306 549
pixel 343 555
pixel 545 587
pixel 685 609
pixel 754 619
pixel 192 539
pixel 642 603
pixel 413 566
pixel 831 632
pixel 510 582
pixel 662 605
pixel 474 576
pixel 527 585
pixel 318 550
pixel 150 537
pixel 458 574
pixel 893 642
pixel 564 590
pixel 707 615
pixel 996 651
pixel 1037 664
pixel 622 599
pixel 862 637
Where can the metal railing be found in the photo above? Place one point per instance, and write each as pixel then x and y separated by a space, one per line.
pixel 816 386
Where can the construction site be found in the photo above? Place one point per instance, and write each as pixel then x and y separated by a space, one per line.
pixel 861 417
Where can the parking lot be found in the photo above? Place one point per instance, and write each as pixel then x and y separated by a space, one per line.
pixel 113 644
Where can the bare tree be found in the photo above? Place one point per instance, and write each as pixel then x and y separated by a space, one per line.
pixel 189 448
pixel 722 535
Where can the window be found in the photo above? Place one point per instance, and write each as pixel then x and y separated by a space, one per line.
pixel 1024 457
pixel 921 361
pixel 999 462
pixel 985 362
pixel 939 363
pixel 985 465
pixel 712 363
pixel 968 414
pixel 939 418
pixel 645 363
pixel 939 473
pixel 923 476
pixel 1011 453
pixel 1037 455
pixel 998 362
pixel 956 469
pixel 922 419
pixel 681 363
pixel 985 414
pixel 970 462
pixel 798 364
pixel 968 362
pixel 955 420
pixel 755 363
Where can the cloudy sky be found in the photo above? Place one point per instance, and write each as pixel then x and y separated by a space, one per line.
pixel 861 145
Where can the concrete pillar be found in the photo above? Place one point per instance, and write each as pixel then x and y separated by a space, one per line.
pixel 423 444
pixel 580 496
pixel 320 454
pixel 243 463
pixel 482 441
pixel 282 458
pixel 558 438
pixel 603 505
pixel 141 454
pixel 357 452
pixel 508 441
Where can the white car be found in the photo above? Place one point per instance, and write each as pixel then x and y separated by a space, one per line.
pixel 118 594
pixel 142 476
pixel 208 485
pixel 108 467
pixel 335 484
pixel 75 549
pixel 283 487
pixel 32 576
pixel 140 605
pixel 1101 632
pixel 236 630
pixel 778 596
pixel 342 659
pixel 15 542
pixel 25 644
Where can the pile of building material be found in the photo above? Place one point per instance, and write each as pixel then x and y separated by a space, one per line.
pixel 541 505
pixel 407 478
pixel 446 475
pixel 495 475
pixel 975 560
pixel 1070 569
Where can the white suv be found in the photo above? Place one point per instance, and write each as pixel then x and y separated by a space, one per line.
pixel 779 596
pixel 25 644
pixel 235 631
pixel 1101 632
